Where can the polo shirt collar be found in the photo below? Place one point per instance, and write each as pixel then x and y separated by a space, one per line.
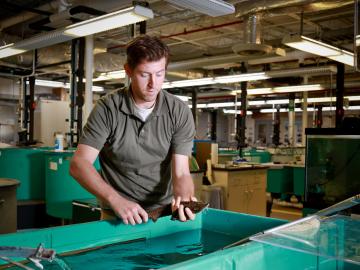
pixel 127 106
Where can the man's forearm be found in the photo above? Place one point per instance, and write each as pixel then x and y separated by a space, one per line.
pixel 88 177
pixel 183 187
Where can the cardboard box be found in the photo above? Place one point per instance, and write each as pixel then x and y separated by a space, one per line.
pixel 285 212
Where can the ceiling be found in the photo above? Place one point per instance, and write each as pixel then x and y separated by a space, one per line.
pixel 200 45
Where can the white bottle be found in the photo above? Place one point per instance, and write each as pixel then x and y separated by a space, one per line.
pixel 59 142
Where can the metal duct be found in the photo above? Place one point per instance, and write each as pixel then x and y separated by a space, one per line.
pixel 282 7
pixel 301 71
pixel 24 16
pixel 252 38
pixel 203 62
pixel 170 75
pixel 252 29
pixel 59 6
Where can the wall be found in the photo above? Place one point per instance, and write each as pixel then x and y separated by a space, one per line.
pixel 50 117
pixel 9 92
pixel 8 121
pixel 9 108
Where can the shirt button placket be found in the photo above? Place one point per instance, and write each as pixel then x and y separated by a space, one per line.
pixel 142 136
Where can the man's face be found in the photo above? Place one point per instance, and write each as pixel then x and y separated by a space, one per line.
pixel 146 80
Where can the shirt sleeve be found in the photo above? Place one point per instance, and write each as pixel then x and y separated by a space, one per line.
pixel 98 126
pixel 182 140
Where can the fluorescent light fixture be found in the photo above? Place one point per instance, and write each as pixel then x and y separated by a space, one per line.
pixel 353 98
pixel 9 50
pixel 276 102
pixel 310 109
pixel 313 46
pixel 271 102
pixel 245 77
pixel 120 74
pixel 109 21
pixel 95 25
pixel 212 8
pixel 214 80
pixel 282 89
pixel 237 112
pixel 52 84
pixel 186 83
pixel 183 98
pixel 94 88
pixel 55 84
pixel 251 77
pixel 298 88
pixel 259 91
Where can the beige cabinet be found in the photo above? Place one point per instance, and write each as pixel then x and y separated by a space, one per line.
pixel 244 189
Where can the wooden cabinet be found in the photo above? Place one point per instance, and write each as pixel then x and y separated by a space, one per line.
pixel 244 189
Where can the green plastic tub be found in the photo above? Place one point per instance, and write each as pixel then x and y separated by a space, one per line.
pixel 280 180
pixel 92 235
pixel 94 245
pixel 61 188
pixel 27 166
pixel 299 180
pixel 257 156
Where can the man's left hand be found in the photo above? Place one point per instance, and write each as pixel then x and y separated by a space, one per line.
pixel 184 214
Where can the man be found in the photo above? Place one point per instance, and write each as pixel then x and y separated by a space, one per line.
pixel 143 137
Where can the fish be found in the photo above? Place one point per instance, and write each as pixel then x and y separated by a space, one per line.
pixel 165 210
pixel 159 212
pixel 195 207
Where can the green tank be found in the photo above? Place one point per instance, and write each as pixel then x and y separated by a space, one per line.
pixel 27 166
pixel 61 188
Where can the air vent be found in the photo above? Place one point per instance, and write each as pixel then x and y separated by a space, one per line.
pixel 252 45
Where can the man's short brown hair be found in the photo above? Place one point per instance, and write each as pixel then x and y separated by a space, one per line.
pixel 146 48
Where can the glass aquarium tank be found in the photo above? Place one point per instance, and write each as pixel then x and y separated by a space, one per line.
pixel 332 166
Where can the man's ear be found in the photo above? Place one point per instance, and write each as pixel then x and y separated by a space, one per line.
pixel 128 70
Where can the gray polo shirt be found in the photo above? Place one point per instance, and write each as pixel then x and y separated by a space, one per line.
pixel 135 156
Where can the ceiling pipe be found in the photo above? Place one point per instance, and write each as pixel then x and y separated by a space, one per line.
pixel 187 32
pixel 59 6
pixel 25 16
pixel 277 7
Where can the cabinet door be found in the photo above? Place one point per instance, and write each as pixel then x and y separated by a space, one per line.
pixel 247 199
pixel 237 199
pixel 256 203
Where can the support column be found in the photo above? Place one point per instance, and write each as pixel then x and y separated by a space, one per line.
pixel 80 87
pixel 194 105
pixel 77 87
pixel 31 109
pixel 340 75
pixel 73 92
pixel 319 118
pixel 291 132
pixel 276 134
pixel 241 123
pixel 357 35
pixel 304 114
pixel 89 61
pixel 213 125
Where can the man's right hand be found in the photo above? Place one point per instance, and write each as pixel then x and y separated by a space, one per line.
pixel 128 211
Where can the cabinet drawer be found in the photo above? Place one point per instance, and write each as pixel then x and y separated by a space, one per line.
pixel 242 181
